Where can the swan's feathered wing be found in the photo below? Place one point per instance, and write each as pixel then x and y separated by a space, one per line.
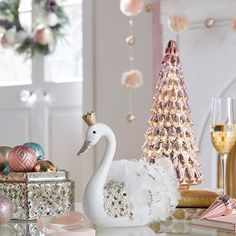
pixel 151 191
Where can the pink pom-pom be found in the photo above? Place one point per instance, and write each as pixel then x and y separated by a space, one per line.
pixel 131 7
pixel 132 79
pixel 178 23
pixel 234 24
pixel 22 159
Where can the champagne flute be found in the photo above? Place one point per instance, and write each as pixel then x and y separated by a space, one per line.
pixel 223 130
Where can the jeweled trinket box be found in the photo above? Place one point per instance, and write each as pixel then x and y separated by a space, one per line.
pixel 36 194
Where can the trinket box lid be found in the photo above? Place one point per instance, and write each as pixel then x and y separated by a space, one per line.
pixel 33 176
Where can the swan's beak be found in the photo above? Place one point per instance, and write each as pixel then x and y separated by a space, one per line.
pixel 86 146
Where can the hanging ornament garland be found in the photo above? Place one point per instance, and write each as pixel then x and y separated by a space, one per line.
pixel 132 78
pixel 47 27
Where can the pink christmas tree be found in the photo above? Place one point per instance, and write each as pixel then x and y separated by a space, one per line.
pixel 170 130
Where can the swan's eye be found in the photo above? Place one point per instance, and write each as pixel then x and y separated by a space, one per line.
pixel 94 132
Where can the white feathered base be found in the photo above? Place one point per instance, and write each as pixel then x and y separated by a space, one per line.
pixel 152 190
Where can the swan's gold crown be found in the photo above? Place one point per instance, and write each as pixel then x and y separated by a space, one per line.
pixel 90 118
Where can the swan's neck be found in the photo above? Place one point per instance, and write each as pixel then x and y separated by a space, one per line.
pixel 101 173
pixel 93 197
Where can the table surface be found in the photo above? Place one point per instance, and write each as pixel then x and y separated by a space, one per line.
pixel 173 228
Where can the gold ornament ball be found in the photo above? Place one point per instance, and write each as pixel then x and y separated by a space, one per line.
pixel 130 40
pixel 149 7
pixel 43 36
pixel 4 151
pixel 45 166
pixel 131 118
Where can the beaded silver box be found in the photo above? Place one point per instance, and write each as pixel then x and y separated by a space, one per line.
pixel 38 194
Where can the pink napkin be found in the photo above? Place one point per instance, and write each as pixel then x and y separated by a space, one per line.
pixel 66 224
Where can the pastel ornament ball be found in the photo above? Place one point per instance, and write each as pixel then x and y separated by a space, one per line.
pixel 39 152
pixel 6 209
pixel 52 19
pixel 43 36
pixel 22 159
pixel 5 43
pixel 131 7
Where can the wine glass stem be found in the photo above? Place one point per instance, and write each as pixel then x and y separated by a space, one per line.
pixel 224 166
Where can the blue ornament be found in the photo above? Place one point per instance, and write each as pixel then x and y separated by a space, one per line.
pixel 39 152
pixel 6 169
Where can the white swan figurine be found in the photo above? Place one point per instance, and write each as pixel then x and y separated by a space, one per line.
pixel 126 193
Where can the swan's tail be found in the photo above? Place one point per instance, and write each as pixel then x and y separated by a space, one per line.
pixel 152 189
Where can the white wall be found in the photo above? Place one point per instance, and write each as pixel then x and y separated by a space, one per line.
pixel 110 60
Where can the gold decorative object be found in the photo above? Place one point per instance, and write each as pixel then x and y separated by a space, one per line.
pixel 172 227
pixel 90 118
pixel 230 174
pixel 130 40
pixel 223 131
pixel 131 118
pixel 149 7
pixel 197 198
pixel 45 166
pixel 209 23
pixel 170 130
pixel 4 151
pixel 186 213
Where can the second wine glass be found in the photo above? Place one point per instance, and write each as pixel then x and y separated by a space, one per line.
pixel 223 130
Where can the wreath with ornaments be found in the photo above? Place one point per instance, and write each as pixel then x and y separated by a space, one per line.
pixel 47 27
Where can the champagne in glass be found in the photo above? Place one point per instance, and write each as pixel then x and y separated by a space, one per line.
pixel 223 130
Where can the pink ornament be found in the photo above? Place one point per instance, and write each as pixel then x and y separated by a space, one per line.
pixel 4 42
pixel 131 7
pixel 222 206
pixel 22 159
pixel 234 24
pixel 43 36
pixel 6 209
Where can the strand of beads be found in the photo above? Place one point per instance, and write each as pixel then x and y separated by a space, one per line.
pixel 131 79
